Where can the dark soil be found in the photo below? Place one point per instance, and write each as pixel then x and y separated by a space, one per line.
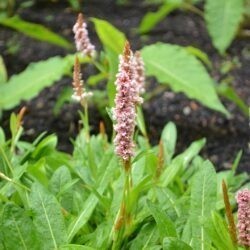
pixel 224 137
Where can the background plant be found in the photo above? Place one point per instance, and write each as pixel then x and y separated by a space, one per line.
pixel 106 64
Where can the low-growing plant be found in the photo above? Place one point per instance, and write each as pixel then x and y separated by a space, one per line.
pixel 121 193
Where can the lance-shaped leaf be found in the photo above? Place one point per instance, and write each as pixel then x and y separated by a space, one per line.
pixel 175 66
pixel 17 229
pixel 32 80
pixel 223 18
pixel 113 42
pixel 203 201
pixel 35 30
pixel 164 224
pixel 48 218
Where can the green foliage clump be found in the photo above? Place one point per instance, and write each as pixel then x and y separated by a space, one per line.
pixel 54 200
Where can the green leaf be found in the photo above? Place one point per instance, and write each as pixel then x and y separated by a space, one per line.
pixel 95 79
pixel 229 92
pixel 45 147
pixel 170 243
pixel 151 19
pixel 13 124
pixel 18 230
pixel 218 232
pixel 32 80
pixel 181 162
pixel 113 41
pixel 2 136
pixel 148 236
pixel 47 218
pixel 169 202
pixel 64 96
pixel 3 71
pixel 92 200
pixel 141 121
pixel 173 65
pixel 223 18
pixel 203 201
pixel 34 30
pixel 169 137
pixel 164 224
pixel 59 179
pixel 60 185
pixel 38 170
pixel 200 55
pixel 113 60
pixel 110 37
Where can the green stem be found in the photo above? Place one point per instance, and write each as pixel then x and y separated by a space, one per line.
pixel 98 65
pixel 123 218
pixel 192 8
pixel 3 176
pixel 86 119
pixel 6 160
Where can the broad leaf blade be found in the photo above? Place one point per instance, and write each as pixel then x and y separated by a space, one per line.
pixel 32 80
pixel 203 201
pixel 47 217
pixel 223 18
pixel 17 229
pixel 60 185
pixel 173 65
pixel 34 30
pixel 110 37
pixel 113 42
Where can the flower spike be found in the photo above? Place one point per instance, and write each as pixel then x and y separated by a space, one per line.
pixel 124 111
pixel 82 40
pixel 80 93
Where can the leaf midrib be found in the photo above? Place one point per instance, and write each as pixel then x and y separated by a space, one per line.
pixel 19 233
pixel 202 212
pixel 224 19
pixel 47 219
pixel 168 72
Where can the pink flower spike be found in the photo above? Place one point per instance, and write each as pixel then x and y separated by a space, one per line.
pixel 124 111
pixel 82 40
pixel 243 200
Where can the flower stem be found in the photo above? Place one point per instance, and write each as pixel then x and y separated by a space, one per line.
pixel 123 218
pixel 86 119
